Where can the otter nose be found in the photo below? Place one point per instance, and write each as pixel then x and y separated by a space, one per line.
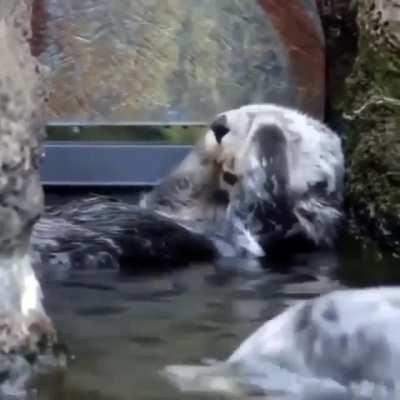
pixel 220 127
pixel 229 178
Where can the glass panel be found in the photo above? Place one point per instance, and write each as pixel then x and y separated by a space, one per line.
pixel 168 61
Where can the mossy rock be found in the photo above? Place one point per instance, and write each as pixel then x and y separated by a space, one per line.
pixel 371 107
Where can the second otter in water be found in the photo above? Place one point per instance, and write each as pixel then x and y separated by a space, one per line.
pixel 338 344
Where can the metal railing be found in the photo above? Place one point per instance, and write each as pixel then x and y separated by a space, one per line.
pixel 114 155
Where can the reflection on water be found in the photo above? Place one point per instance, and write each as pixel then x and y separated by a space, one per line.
pixel 122 330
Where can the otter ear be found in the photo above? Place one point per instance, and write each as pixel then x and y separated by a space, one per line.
pixel 220 127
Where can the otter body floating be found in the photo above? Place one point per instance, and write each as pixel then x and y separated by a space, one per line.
pixel 261 176
pixel 342 342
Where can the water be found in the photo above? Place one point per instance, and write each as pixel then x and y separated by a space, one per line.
pixel 122 330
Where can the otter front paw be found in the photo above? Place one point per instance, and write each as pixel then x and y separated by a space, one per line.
pixel 19 333
pixel 41 331
pixel 13 333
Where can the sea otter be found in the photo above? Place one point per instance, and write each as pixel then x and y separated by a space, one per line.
pixel 341 344
pixel 261 177
pixel 284 172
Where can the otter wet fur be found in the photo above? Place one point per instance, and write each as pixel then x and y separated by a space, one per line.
pixel 289 169
pixel 342 345
pixel 262 177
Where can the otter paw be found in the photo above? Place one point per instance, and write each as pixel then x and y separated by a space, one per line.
pixel 13 333
pixel 21 333
pixel 41 330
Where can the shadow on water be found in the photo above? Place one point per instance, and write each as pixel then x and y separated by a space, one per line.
pixel 122 330
pixel 364 264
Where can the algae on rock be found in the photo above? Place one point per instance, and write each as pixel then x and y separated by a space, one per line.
pixel 371 107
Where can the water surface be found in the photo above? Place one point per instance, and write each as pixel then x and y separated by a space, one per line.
pixel 122 330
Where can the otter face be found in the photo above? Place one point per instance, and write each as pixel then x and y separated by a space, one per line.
pixel 229 133
pixel 226 145
pixel 220 127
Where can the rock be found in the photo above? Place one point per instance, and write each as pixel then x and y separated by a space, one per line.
pixel 23 321
pixel 371 107
pixel 179 60
pixel 339 23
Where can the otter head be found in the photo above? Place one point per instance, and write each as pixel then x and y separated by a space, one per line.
pixel 222 159
pixel 220 127
pixel 225 144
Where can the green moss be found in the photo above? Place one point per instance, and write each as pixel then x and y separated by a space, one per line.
pixel 371 107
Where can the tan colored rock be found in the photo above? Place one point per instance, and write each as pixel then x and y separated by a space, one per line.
pixel 22 318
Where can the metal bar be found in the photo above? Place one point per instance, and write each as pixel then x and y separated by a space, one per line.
pixel 108 164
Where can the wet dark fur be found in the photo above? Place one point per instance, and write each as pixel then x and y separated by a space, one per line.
pixel 105 233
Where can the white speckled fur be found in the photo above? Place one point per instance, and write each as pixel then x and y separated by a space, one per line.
pixel 346 341
pixel 314 151
pixel 314 155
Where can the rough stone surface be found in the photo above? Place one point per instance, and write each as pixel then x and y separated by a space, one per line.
pixel 372 108
pixel 21 199
pixel 22 317
pixel 338 19
pixel 178 59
